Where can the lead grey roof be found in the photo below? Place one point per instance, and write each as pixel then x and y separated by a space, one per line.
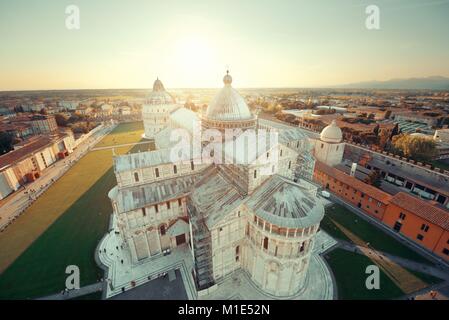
pixel 285 204
pixel 214 197
pixel 137 197
pixel 143 159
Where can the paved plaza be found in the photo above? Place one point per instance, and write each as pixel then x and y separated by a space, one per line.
pixel 150 280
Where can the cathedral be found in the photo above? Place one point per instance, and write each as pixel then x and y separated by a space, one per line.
pixel 259 215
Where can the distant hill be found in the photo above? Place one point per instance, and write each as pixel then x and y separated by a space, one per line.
pixel 429 83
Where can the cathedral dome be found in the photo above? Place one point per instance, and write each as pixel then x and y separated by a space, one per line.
pixel 228 104
pixel 159 95
pixel 332 133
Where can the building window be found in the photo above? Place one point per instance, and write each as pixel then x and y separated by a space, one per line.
pixel 379 204
pixel 289 165
pixel 446 251
pixel 322 145
pixel 301 248
pixel 370 199
pixel 175 169
pixel 157 172
pixel 255 174
pixel 179 202
pixel 144 213
pixel 156 208
pixel 424 227
pixel 265 243
pixel 281 153
pixel 168 204
pixel 420 237
pixel 336 149
pixel 136 177
pixel 237 250
pixel 363 195
pixel 268 155
pixel 402 216
pixel 162 230
pixel 192 165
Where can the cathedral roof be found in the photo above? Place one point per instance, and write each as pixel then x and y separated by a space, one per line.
pixel 137 197
pixel 214 196
pixel 228 104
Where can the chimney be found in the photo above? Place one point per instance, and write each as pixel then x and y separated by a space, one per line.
pixel 353 169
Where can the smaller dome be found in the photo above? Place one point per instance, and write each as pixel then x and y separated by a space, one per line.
pixel 332 133
pixel 158 86
pixel 159 96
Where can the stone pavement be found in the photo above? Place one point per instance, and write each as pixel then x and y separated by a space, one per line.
pixel 122 274
pixel 158 289
pixel 71 294
pixel 121 145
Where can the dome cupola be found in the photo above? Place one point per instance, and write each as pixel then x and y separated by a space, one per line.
pixel 228 104
pixel 159 96
pixel 332 133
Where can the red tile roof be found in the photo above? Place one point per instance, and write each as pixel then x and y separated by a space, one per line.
pixel 35 144
pixel 423 209
pixel 355 183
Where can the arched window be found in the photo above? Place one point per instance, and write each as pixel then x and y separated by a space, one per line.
pixel 265 243
pixel 136 177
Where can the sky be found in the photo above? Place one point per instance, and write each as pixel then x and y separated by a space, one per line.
pixel 188 43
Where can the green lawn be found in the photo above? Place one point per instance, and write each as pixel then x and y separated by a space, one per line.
pixel 349 271
pixel 63 227
pixel 378 238
pixel 123 134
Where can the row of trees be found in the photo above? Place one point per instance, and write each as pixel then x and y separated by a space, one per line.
pixel 415 147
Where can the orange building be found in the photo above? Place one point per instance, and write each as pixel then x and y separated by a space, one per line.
pixel 417 219
pixel 370 199
pixel 421 221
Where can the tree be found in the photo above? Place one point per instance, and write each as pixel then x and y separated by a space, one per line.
pixel 374 179
pixel 395 131
pixel 6 142
pixel 376 129
pixel 417 148
pixel 384 138
pixel 61 120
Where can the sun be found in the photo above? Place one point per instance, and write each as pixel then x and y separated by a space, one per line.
pixel 193 54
